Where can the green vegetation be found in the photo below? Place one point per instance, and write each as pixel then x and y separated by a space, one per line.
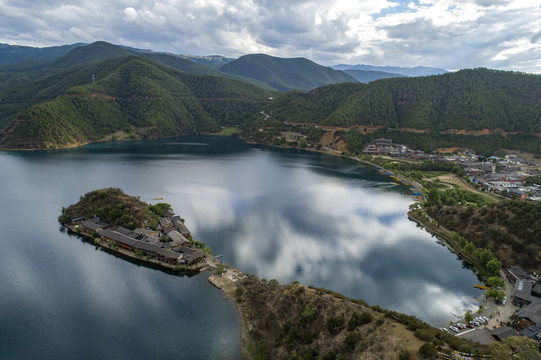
pixel 515 347
pixel 112 206
pixel 131 91
pixel 229 131
pixel 294 322
pixel 468 99
pixel 509 229
pixel 285 74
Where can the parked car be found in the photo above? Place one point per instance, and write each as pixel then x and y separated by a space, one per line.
pixel 470 325
pixel 454 328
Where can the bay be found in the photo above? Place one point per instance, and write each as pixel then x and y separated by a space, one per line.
pixel 278 213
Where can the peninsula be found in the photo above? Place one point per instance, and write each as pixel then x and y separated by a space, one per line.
pixel 277 321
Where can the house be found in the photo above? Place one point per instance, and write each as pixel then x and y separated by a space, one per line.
pixel 482 336
pixel 169 256
pixel 177 239
pixel 530 314
pixel 143 232
pixel 179 225
pixel 121 240
pixel 169 213
pixel 383 142
pixel 533 332
pixel 164 222
pixel 517 273
pixel 522 294
pixel 503 332
pixel 194 257
pixel 124 231
pixel 93 225
pixel 146 248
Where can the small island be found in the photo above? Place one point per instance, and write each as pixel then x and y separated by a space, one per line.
pixel 133 228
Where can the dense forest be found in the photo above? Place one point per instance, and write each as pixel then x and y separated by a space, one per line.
pixel 128 92
pixel 509 229
pixel 473 99
pixel 19 73
pixel 285 74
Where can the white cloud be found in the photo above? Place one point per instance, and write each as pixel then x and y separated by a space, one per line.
pixel 446 33
pixel 130 14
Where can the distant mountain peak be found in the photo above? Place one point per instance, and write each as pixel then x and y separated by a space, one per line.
pixel 406 71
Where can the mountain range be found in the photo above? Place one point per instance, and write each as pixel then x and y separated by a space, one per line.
pixel 81 93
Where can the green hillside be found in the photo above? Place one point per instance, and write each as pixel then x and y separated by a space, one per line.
pixel 129 93
pixel 469 99
pixel 10 54
pixel 285 74
pixel 32 70
pixel 35 69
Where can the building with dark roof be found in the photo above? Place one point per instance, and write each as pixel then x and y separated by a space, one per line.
pixel 522 293
pixel 194 257
pixel 92 226
pixel 179 225
pixel 531 313
pixel 503 332
pixel 118 238
pixel 147 248
pixel 169 256
pixel 482 336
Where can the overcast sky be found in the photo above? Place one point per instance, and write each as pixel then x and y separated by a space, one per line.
pixel 452 34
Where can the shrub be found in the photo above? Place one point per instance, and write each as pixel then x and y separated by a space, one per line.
pixel 335 324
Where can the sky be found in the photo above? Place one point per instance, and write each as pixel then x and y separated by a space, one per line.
pixel 450 34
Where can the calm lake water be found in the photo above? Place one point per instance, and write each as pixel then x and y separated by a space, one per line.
pixel 283 214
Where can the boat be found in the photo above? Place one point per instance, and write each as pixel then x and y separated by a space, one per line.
pixel 158 199
pixel 482 287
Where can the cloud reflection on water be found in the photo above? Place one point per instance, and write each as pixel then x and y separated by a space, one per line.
pixel 349 235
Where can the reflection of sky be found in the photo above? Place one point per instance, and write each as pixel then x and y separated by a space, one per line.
pixel 291 219
pixel 317 219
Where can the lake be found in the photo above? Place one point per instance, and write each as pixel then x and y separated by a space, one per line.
pixel 277 213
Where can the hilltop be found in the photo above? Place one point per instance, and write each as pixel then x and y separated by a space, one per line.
pixel 37 68
pixel 285 74
pixel 112 206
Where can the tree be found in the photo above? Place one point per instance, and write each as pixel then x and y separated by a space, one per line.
pixel 494 267
pixel 433 197
pixel 515 347
pixel 468 317
pixel 495 281
pixel 427 350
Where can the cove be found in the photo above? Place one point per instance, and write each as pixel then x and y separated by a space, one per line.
pixel 278 213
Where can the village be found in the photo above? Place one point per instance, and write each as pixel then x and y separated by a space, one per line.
pixel 169 245
pixel 506 176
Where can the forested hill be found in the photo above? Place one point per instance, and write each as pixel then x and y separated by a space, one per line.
pixel 10 54
pixel 129 94
pixel 36 69
pixel 474 99
pixel 285 74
